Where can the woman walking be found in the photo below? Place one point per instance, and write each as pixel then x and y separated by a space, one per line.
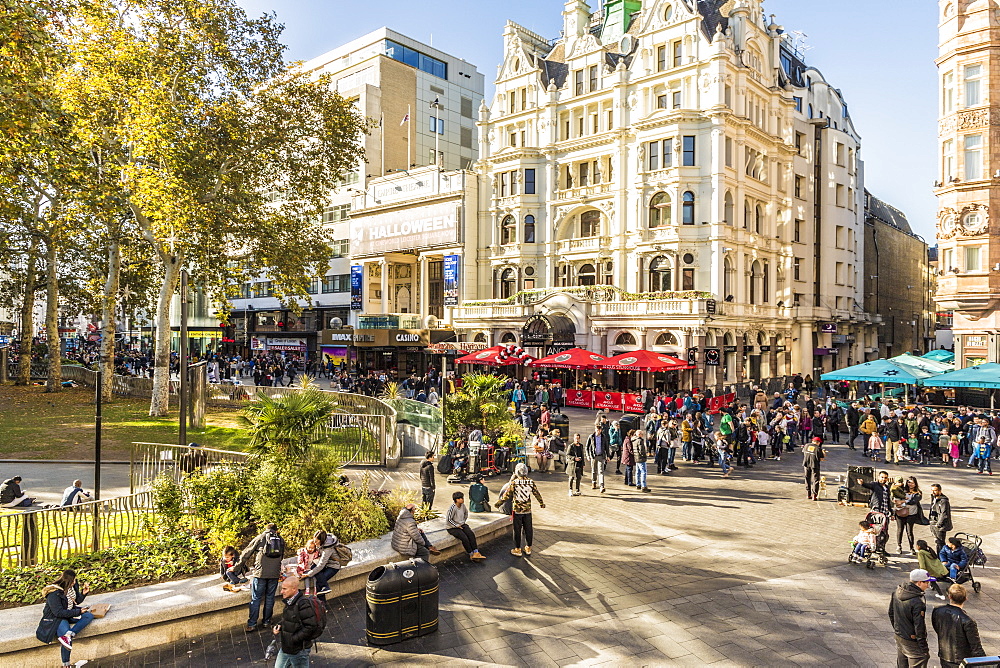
pixel 62 616
pixel 519 491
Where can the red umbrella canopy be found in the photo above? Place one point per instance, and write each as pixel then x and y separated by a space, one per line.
pixel 574 358
pixel 495 356
pixel 643 360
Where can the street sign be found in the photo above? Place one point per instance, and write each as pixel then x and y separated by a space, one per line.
pixel 4 341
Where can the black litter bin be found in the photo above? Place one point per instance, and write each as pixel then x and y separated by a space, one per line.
pixel 402 601
pixel 561 422
pixel 628 422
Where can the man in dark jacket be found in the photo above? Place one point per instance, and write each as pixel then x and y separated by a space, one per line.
pixel 427 483
pixel 812 455
pixel 958 634
pixel 939 516
pixel 853 416
pixel 880 492
pixel 906 613
pixel 894 434
pixel 834 418
pixel 264 572
pixel 299 625
pixel 11 495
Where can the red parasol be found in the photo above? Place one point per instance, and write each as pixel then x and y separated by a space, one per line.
pixel 643 360
pixel 495 356
pixel 574 358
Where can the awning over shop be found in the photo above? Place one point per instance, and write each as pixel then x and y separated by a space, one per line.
pixel 574 358
pixel 933 366
pixel 643 360
pixel 882 371
pixel 985 376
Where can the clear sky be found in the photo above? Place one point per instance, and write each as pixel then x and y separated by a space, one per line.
pixel 880 54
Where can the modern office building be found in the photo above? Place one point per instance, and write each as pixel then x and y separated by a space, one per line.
pixel 671 176
pixel 968 190
pixel 421 100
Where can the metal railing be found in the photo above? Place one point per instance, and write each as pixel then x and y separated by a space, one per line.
pixel 150 460
pixel 418 413
pixel 364 413
pixel 38 536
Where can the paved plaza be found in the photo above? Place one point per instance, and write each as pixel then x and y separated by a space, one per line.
pixel 703 571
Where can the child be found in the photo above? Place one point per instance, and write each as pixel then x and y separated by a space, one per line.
pixel 874 445
pixel 925 443
pixel 307 555
pixel 944 445
pixel 763 438
pixel 230 557
pixel 722 448
pixel 955 450
pixel 863 542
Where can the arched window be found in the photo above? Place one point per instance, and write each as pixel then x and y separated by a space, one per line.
pixel 729 212
pixel 756 272
pixel 660 211
pixel 746 214
pixel 587 275
pixel 508 283
pixel 687 208
pixel 590 223
pixel 529 229
pixel 625 339
pixel 665 339
pixel 479 338
pixel 660 275
pixel 758 220
pixel 508 230
pixel 508 337
pixel 728 279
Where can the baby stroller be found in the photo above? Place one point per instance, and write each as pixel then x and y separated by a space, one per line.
pixel 972 545
pixel 876 555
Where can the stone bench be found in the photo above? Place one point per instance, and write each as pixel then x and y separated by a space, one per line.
pixel 170 611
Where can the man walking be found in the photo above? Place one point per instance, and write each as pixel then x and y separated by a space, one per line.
pixel 958 634
pixel 853 416
pixel 906 613
pixel 427 482
pixel 456 520
pixel 301 623
pixel 574 465
pixel 812 455
pixel 939 517
pixel 263 559
pixel 597 451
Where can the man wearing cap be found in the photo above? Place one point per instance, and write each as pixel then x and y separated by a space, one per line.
pixel 812 455
pixel 906 613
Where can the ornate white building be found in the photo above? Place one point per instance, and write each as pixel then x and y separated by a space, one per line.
pixel 670 176
pixel 968 191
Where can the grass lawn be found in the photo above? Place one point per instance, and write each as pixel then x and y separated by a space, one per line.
pixel 36 425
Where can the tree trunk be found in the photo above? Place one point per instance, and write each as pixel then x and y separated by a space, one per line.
pixel 109 304
pixel 54 382
pixel 159 404
pixel 27 332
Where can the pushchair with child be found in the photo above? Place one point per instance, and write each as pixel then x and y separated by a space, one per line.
pixel 875 555
pixel 972 546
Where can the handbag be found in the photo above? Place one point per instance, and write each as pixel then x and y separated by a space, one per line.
pixel 903 511
pixel 47 629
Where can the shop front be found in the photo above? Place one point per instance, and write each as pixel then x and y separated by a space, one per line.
pixel 335 346
pixel 548 334
pixel 289 346
pixel 397 350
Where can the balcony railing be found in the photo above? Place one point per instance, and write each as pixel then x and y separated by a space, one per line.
pixel 585 191
pixel 491 311
pixel 650 307
pixel 587 244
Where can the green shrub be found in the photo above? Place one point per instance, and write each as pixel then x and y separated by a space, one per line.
pixel 226 486
pixel 134 563
pixel 168 502
pixel 281 489
pixel 360 518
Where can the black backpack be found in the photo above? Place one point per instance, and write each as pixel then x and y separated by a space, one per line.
pixel 319 610
pixel 274 546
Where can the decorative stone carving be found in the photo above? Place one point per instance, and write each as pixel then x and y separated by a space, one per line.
pixel 957 223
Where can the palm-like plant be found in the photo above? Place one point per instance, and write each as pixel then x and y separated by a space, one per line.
pixel 287 425
pixel 391 392
pixel 481 402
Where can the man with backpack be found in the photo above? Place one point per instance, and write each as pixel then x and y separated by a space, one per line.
pixel 262 559
pixel 302 622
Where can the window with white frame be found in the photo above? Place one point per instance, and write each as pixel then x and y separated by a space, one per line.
pixel 972 258
pixel 973 79
pixel 973 157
